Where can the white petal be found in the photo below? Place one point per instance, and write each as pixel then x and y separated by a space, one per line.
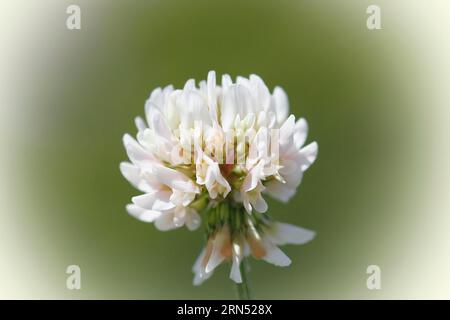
pixel 140 124
pixel 156 100
pixel 174 179
pixel 247 204
pixel 156 200
pixel 261 91
pixel 287 129
pixel 275 256
pixel 158 123
pixel 142 214
pixel 283 233
pixel 279 191
pixel 235 273
pixel 235 100
pixel 165 221
pixel 300 132
pixel 189 85
pixel 212 99
pixel 260 205
pixel 135 151
pixel 309 155
pixel 131 173
pixel 145 200
pixel 193 219
pixel 163 203
pixel 281 104
pixel 226 81
pixel 192 107
pixel 289 167
pixel 228 109
pixel 253 178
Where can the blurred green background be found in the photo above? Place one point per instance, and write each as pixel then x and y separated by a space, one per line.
pixel 84 88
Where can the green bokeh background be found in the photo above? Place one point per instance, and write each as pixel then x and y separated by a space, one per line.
pixel 87 86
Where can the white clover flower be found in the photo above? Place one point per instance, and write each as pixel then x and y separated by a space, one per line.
pixel 211 152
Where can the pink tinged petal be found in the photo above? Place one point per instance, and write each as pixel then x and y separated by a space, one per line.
pixel 214 261
pixel 275 256
pixel 283 233
pixel 216 257
pixel 142 214
pixel 281 104
pixel 199 275
pixel 309 155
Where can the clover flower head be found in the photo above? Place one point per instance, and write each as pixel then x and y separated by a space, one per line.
pixel 212 152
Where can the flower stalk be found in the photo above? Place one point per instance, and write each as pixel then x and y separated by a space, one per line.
pixel 243 289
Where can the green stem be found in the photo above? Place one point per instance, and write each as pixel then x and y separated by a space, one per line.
pixel 243 289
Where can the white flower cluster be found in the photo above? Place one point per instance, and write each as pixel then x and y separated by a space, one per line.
pixel 217 149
